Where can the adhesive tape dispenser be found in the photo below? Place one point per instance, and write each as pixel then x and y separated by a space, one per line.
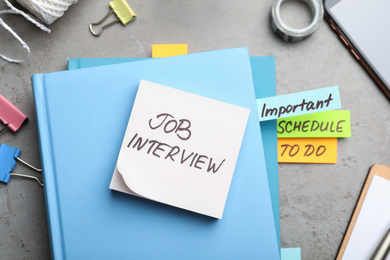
pixel 290 34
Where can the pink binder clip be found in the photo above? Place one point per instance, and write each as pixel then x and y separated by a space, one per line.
pixel 10 115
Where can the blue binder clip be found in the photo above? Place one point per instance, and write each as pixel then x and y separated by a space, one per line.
pixel 8 157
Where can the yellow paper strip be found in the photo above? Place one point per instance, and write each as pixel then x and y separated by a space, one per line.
pixel 167 50
pixel 307 150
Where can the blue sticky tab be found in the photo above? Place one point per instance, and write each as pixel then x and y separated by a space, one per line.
pixel 7 161
pixel 306 102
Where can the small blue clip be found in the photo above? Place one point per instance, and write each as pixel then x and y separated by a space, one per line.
pixel 8 157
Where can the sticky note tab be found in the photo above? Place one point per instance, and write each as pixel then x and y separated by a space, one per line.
pixel 300 103
pixel 7 161
pixel 334 123
pixel 307 150
pixel 168 50
pixel 123 11
pixel 10 115
pixel 290 253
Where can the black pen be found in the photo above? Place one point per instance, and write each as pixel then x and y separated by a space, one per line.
pixel 383 247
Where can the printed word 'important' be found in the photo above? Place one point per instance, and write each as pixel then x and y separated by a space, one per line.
pixel 303 106
pixel 301 103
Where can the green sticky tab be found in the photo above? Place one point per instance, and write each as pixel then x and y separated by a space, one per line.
pixel 123 11
pixel 333 123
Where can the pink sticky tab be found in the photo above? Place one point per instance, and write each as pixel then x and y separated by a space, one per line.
pixel 10 115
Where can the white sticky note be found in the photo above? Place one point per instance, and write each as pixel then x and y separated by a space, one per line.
pixel 180 149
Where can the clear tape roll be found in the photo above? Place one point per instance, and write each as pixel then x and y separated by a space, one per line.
pixel 291 34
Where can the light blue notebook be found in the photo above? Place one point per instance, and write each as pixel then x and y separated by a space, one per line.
pixel 82 116
pixel 264 81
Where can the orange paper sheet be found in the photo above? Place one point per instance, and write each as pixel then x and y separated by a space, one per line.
pixel 307 150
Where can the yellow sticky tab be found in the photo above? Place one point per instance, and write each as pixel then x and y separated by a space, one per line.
pixel 307 150
pixel 167 50
pixel 123 11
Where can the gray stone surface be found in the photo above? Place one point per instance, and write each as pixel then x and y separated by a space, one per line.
pixel 316 201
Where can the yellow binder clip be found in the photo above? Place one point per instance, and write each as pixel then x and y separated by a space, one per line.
pixel 122 10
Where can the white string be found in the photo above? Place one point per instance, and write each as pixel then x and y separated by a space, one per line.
pixel 47 10
pixel 19 39
pixel 29 18
pixel 14 10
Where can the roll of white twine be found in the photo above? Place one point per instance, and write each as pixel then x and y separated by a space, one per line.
pixel 45 10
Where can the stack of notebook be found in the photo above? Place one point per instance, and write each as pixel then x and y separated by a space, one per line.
pixel 82 118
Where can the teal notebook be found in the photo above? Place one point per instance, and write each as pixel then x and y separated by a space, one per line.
pixel 82 116
pixel 264 81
